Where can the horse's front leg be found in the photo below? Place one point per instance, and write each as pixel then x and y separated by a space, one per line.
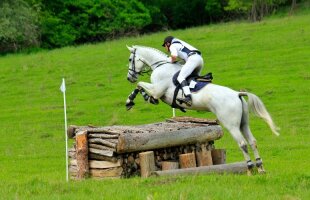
pixel 153 92
pixel 131 97
pixel 149 92
pixel 148 98
pixel 130 100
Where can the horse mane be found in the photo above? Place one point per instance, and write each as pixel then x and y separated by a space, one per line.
pixel 160 53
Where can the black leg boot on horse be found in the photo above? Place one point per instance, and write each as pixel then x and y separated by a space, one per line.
pixel 188 97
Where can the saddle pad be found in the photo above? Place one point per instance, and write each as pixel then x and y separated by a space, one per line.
pixel 199 85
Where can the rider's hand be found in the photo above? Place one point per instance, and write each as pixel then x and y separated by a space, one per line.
pixel 168 59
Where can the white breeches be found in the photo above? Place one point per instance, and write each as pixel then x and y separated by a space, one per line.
pixel 193 63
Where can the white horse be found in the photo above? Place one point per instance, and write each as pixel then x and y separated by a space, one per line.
pixel 228 105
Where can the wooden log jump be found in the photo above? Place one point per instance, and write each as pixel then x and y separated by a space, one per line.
pixel 179 145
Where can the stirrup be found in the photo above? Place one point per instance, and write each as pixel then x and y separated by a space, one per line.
pixel 187 100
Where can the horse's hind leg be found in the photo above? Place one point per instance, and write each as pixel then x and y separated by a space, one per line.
pixel 245 129
pixel 252 141
pixel 230 116
pixel 235 132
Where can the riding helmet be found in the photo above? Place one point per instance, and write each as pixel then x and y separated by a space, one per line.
pixel 168 39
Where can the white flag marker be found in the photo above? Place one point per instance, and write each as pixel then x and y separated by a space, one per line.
pixel 63 86
pixel 63 90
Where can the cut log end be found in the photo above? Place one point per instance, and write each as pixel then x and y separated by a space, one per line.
pixel 187 160
pixel 147 163
pixel 82 155
pixel 218 156
pixel 168 165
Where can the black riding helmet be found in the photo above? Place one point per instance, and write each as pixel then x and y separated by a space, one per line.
pixel 168 39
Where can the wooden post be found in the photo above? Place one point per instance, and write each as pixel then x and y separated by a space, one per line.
pixel 167 165
pixel 147 163
pixel 204 157
pixel 218 156
pixel 187 160
pixel 82 155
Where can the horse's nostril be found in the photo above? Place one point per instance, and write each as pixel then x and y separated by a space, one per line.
pixel 127 78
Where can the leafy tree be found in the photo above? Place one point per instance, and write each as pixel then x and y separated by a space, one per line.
pixel 68 22
pixel 18 26
pixel 158 18
pixel 238 6
pixel 255 9
pixel 214 9
pixel 182 13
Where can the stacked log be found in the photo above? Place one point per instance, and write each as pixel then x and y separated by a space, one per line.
pixel 101 160
pixel 118 151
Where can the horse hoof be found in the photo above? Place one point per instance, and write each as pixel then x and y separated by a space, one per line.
pixel 154 101
pixel 249 172
pixel 261 170
pixel 129 105
pixel 259 162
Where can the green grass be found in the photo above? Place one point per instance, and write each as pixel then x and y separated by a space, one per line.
pixel 270 59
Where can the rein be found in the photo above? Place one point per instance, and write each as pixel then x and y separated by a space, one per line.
pixel 133 68
pixel 160 63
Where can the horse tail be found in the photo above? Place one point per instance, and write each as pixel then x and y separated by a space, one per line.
pixel 258 108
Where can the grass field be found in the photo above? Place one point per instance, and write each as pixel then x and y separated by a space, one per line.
pixel 270 58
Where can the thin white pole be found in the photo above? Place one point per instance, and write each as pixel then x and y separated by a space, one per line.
pixel 173 112
pixel 63 89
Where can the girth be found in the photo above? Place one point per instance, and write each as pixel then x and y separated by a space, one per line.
pixel 175 94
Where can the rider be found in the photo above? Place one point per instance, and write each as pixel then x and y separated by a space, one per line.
pixel 193 63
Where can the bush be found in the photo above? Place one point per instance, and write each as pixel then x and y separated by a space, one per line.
pixel 18 26
pixel 56 33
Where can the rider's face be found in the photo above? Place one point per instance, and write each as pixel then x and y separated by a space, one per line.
pixel 167 45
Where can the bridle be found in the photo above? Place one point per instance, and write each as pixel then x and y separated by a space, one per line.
pixel 132 70
pixel 134 73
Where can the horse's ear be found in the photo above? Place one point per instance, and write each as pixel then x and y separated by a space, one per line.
pixel 130 48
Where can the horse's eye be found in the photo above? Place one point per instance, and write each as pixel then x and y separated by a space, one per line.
pixel 129 59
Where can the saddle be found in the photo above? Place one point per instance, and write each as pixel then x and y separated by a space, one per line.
pixel 195 83
pixel 206 78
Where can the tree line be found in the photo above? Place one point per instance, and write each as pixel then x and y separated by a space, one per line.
pixel 31 24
